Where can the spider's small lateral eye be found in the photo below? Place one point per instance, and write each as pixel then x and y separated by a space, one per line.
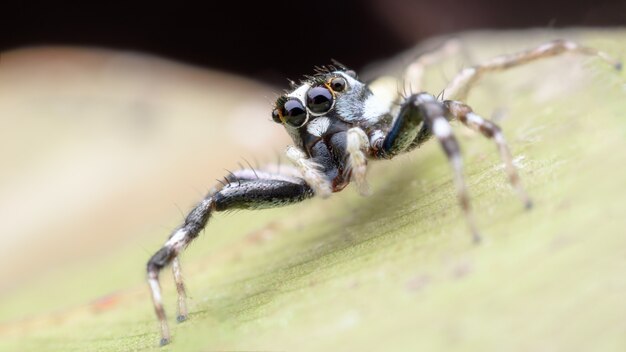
pixel 319 99
pixel 338 84
pixel 276 116
pixel 294 113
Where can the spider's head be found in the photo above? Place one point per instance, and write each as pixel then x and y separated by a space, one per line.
pixel 326 103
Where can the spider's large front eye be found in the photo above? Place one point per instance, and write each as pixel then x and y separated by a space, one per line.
pixel 294 113
pixel 319 99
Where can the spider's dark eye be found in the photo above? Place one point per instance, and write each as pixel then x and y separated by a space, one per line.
pixel 294 113
pixel 319 99
pixel 276 116
pixel 338 84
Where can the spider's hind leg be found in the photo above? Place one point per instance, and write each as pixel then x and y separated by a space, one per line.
pixel 415 71
pixel 461 84
pixel 244 189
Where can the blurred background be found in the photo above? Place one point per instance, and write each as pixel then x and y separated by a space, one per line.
pixel 114 119
pixel 285 37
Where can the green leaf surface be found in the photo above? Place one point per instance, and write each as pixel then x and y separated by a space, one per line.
pixel 397 271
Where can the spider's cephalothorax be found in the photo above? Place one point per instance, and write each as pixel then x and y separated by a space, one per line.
pixel 337 124
pixel 318 114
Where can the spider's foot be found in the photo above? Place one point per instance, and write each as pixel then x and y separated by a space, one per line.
pixel 164 342
pixel 528 204
pixel 181 318
pixel 476 238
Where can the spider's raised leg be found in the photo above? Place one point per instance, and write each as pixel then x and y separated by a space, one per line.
pixel 246 189
pixel 409 133
pixel 414 73
pixel 460 85
pixel 462 112
pixel 421 112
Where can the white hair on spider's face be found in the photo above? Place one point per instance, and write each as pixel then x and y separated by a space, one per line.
pixel 331 101
pixel 318 126
pixel 359 103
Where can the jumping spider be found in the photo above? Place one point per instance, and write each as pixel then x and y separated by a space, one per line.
pixel 337 124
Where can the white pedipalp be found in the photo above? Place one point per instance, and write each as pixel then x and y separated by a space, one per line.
pixel 311 172
pixel 357 142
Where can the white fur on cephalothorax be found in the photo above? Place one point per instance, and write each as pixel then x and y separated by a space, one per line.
pixel 374 109
pixel 300 93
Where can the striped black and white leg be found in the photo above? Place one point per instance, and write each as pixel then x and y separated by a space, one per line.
pixel 419 113
pixel 415 71
pixel 180 288
pixel 489 129
pixel 461 84
pixel 244 189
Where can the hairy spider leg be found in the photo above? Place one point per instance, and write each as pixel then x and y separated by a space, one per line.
pixel 246 189
pixel 180 288
pixel 459 87
pixel 414 73
pixel 489 129
pixel 423 111
pixel 409 133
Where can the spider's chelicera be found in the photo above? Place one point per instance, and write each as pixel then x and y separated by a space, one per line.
pixel 337 124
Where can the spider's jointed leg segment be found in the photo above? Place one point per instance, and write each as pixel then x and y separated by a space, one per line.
pixel 461 84
pixel 246 192
pixel 489 129
pixel 422 112
pixel 414 73
pixel 180 288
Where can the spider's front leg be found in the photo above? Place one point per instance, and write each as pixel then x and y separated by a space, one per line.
pixel 420 116
pixel 245 189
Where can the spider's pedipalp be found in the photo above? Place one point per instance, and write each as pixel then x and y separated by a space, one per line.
pixel 356 165
pixel 311 172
